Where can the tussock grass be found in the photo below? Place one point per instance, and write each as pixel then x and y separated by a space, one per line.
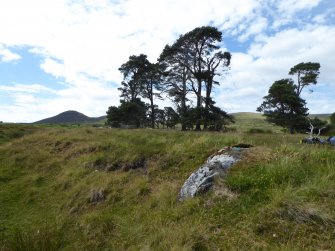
pixel 283 192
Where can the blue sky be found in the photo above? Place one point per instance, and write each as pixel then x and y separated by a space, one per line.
pixel 58 55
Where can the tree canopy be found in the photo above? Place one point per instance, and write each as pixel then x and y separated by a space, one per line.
pixel 283 106
pixel 129 113
pixel 307 74
pixel 188 71
pixel 133 71
pixel 196 57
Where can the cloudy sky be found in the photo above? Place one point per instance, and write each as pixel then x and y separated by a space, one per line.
pixel 58 55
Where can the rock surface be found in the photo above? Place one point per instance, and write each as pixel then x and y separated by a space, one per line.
pixel 216 165
pixel 97 195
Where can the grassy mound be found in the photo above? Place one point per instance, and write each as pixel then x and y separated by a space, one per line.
pixel 280 196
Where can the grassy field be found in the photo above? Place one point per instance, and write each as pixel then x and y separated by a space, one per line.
pixel 253 122
pixel 279 197
pixel 321 116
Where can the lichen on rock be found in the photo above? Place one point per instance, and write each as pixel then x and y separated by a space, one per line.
pixel 216 165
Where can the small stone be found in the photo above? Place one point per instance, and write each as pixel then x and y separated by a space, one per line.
pixel 97 195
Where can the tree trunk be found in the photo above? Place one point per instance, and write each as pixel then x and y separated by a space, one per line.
pixel 206 116
pixel 152 112
pixel 183 106
pixel 197 125
pixel 207 101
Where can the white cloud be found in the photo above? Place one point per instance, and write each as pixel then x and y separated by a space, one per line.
pixel 271 58
pixel 287 11
pixel 34 88
pixel 97 37
pixel 255 28
pixel 31 103
pixel 84 42
pixel 8 56
pixel 293 6
pixel 290 47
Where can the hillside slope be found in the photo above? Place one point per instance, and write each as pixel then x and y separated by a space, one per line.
pixel 248 121
pixel 106 189
pixel 70 117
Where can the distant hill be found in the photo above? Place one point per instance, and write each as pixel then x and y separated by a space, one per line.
pixel 70 117
pixel 321 116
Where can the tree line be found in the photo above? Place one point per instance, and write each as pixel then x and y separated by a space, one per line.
pixel 186 73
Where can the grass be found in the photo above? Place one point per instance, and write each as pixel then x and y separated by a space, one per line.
pixel 284 192
pixel 253 123
pixel 14 131
pixel 325 117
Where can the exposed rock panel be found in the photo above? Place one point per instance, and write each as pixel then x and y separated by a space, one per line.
pixel 216 165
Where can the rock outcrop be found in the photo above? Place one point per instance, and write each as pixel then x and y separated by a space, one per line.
pixel 216 165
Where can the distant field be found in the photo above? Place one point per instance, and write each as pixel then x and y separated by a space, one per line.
pixel 325 117
pixel 280 197
pixel 245 121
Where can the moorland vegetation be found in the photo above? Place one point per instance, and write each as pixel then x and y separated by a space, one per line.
pixel 279 197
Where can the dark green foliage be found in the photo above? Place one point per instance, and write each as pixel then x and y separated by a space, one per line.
pixel 211 66
pixel 216 119
pixel 283 106
pixel 318 125
pixel 160 117
pixel 330 128
pixel 307 74
pixel 172 118
pixel 176 83
pixel 332 119
pixel 167 117
pixel 195 56
pixel 141 79
pixel 114 117
pixel 133 70
pixel 151 81
pixel 193 116
pixel 130 114
pixel 189 65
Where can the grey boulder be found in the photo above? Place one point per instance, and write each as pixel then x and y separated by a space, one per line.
pixel 203 179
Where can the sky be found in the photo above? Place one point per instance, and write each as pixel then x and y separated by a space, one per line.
pixel 59 55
